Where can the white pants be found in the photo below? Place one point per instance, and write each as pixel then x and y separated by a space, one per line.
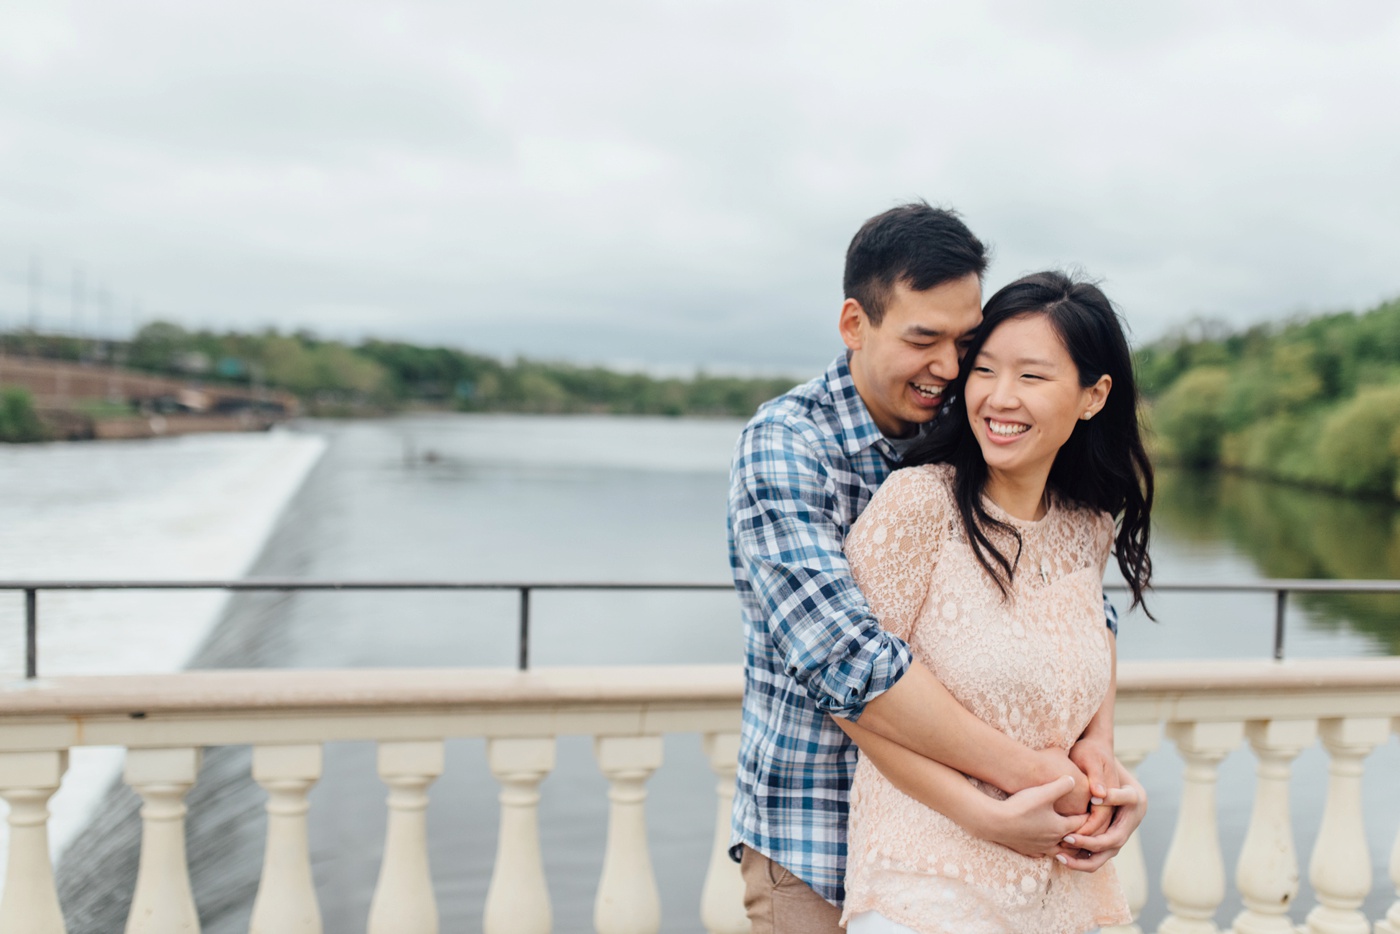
pixel 872 922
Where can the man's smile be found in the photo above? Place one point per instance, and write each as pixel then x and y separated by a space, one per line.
pixel 929 393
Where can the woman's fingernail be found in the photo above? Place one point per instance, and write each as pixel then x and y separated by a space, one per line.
pixel 1061 858
pixel 1096 801
pixel 1070 840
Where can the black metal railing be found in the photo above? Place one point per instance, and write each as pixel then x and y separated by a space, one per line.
pixel 1280 588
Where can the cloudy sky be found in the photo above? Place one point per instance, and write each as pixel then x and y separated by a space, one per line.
pixel 672 183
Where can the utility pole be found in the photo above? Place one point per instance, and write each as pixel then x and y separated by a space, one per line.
pixel 99 343
pixel 78 298
pixel 104 312
pixel 36 286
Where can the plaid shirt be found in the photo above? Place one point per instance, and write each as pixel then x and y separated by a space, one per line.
pixel 805 467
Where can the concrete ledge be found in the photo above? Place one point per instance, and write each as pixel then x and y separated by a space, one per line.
pixel 382 689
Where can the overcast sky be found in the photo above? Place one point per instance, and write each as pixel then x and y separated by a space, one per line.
pixel 674 183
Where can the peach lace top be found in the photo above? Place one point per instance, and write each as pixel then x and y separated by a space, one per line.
pixel 1036 666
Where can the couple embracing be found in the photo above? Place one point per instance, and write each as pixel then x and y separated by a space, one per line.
pixel 918 538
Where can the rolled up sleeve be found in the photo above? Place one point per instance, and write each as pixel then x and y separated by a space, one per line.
pixel 787 534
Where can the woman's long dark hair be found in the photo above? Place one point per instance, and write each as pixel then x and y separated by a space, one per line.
pixel 1103 464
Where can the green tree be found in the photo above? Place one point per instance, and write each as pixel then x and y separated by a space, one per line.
pixel 18 420
pixel 1190 417
pixel 155 346
pixel 1355 453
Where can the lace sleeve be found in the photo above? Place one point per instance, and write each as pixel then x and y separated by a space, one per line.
pixel 894 546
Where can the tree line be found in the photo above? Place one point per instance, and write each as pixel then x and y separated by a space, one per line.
pixel 332 377
pixel 1314 402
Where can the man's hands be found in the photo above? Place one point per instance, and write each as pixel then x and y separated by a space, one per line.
pixel 1086 852
pixel 1027 823
pixel 1052 764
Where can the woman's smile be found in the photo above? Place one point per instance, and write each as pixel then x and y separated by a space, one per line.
pixel 1004 432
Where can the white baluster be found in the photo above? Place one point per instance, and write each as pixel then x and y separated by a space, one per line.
pixel 1267 874
pixel 1193 880
pixel 27 781
pixel 403 901
pixel 1340 869
pixel 286 901
pixel 1132 743
pixel 722 899
pixel 517 901
pixel 628 902
pixel 163 902
pixel 1391 924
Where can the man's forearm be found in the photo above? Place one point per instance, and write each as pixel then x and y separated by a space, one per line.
pixel 919 714
pixel 931 783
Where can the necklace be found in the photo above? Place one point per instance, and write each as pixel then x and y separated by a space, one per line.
pixel 1032 551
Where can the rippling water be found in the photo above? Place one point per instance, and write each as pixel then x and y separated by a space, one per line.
pixel 493 497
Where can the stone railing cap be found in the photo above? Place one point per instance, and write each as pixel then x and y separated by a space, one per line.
pixel 371 688
pixel 384 688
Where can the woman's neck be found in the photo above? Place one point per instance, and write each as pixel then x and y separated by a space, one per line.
pixel 1019 497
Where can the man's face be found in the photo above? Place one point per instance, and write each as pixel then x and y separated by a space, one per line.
pixel 902 367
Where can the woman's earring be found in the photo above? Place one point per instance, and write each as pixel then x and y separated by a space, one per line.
pixel 1086 416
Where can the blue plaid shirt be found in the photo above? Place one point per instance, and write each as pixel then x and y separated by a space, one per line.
pixel 805 467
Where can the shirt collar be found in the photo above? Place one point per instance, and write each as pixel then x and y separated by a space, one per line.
pixel 858 429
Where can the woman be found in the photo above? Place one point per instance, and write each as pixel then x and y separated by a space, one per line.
pixel 987 556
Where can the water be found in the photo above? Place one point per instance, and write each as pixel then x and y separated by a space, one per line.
pixel 167 509
pixel 483 497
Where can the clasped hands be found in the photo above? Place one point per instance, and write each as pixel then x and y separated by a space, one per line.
pixel 1083 817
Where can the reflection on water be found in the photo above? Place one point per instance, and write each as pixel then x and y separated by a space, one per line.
pixel 1288 532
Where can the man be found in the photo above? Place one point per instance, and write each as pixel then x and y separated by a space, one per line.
pixel 805 467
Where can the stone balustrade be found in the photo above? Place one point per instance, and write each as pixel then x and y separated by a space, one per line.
pixel 1207 710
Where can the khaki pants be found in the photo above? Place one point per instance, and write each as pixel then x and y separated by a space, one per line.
pixel 780 903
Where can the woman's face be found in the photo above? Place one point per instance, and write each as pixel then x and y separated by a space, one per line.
pixel 1023 398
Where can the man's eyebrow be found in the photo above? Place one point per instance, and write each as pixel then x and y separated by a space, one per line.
pixel 918 330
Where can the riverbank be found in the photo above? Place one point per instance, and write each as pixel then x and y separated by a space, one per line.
pixel 55 400
pixel 1314 401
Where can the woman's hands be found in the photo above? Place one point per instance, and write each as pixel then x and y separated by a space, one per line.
pixel 1027 823
pixel 1093 754
pixel 1128 802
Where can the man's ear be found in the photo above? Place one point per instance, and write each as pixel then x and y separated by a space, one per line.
pixel 852 324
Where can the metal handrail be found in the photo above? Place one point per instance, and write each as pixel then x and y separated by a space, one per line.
pixel 1280 588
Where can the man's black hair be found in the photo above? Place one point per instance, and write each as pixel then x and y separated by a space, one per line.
pixel 916 244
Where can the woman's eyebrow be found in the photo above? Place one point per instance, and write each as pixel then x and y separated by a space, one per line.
pixel 1021 361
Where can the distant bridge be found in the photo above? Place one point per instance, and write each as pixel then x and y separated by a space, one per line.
pixel 56 384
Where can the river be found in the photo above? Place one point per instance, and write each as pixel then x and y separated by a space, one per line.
pixel 491 497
